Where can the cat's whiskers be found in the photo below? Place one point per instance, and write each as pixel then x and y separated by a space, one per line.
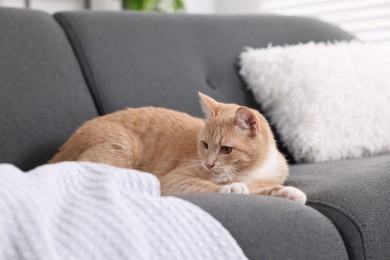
pixel 227 176
pixel 232 176
pixel 239 169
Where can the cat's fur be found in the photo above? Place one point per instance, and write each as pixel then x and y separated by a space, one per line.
pixel 188 154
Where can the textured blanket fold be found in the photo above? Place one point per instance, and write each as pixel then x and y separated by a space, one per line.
pixel 91 211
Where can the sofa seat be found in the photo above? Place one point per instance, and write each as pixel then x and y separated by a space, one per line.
pixel 274 228
pixel 354 195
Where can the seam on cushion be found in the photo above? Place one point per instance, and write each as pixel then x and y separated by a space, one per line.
pixel 82 59
pixel 350 217
pixel 330 223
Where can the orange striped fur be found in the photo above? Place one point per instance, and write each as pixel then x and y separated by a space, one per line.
pixel 233 144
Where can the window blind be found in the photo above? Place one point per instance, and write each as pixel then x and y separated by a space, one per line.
pixel 369 20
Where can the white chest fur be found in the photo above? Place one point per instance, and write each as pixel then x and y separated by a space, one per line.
pixel 270 168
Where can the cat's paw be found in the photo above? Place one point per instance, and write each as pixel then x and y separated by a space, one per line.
pixel 236 187
pixel 291 193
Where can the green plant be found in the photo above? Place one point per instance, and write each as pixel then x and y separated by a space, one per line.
pixel 167 6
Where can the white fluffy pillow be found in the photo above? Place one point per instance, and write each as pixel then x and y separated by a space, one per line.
pixel 328 101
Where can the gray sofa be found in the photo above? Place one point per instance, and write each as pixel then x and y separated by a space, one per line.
pixel 58 71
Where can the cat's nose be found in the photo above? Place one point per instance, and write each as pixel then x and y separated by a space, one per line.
pixel 210 165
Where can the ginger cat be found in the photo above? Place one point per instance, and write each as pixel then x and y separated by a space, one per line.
pixel 232 151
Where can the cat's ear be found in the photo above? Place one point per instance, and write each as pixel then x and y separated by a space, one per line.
pixel 246 120
pixel 210 107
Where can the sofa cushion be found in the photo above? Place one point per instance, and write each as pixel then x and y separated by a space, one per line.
pixel 43 95
pixel 328 101
pixel 273 228
pixel 354 194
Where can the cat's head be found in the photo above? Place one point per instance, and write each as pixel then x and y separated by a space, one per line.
pixel 234 141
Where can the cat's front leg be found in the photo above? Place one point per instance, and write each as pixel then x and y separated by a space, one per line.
pixel 236 188
pixel 288 192
pixel 177 183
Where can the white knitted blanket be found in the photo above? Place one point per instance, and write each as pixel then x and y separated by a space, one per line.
pixel 91 211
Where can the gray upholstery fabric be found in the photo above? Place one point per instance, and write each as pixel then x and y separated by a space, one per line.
pixel 132 59
pixel 43 96
pixel 355 196
pixel 135 59
pixel 273 228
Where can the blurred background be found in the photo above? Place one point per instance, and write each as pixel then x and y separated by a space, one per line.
pixel 368 19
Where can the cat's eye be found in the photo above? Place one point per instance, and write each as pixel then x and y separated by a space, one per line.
pixel 226 149
pixel 205 145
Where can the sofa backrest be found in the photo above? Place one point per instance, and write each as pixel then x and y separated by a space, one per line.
pixel 127 60
pixel 136 59
pixel 43 95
